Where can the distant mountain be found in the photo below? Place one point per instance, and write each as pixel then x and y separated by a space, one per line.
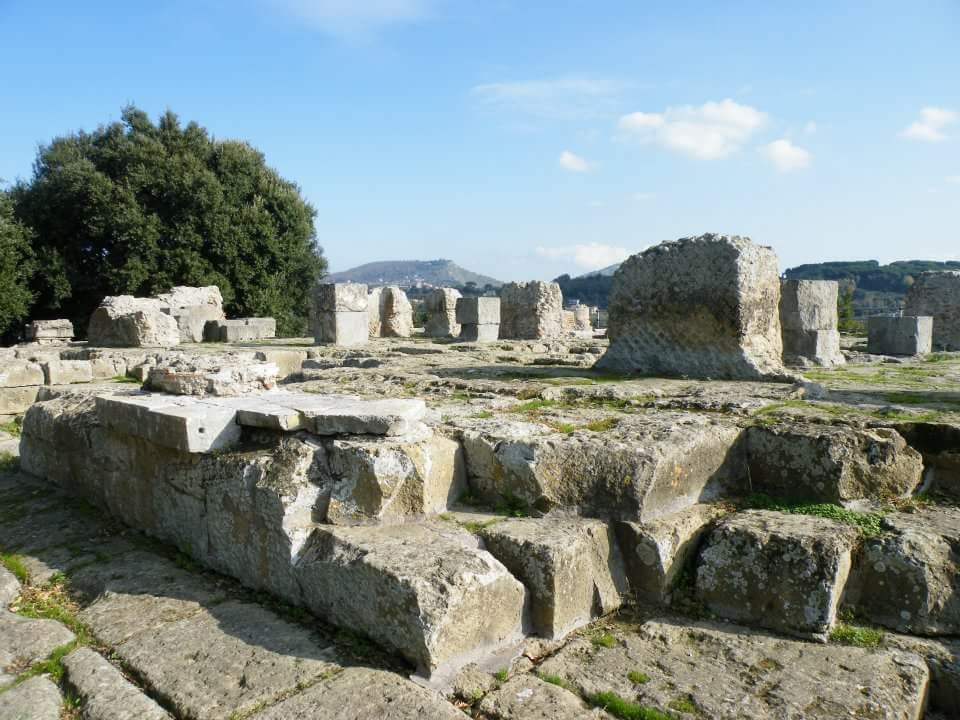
pixel 411 273
pixel 602 272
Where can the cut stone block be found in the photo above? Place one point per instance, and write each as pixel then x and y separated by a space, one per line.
pixel 193 308
pixel 289 362
pixel 345 415
pixel 705 307
pixel 907 579
pixel 20 373
pixel 735 673
pixel 936 293
pixel 340 297
pixel 531 310
pixel 177 422
pixel 16 400
pixel 649 466
pixel 359 693
pixel 65 372
pixel 582 320
pixel 775 570
pixel 908 335
pixel 35 699
pixel 240 330
pixel 656 553
pixel 478 311
pixel 389 479
pixel 126 321
pixel 373 312
pixel 347 329
pixel 226 377
pixel 105 693
pixel 572 568
pixel 49 331
pixel 943 660
pixel 831 463
pixel 426 591
pixel 479 333
pixel 441 306
pixel 396 313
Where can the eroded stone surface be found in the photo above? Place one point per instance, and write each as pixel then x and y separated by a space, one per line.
pixel 34 699
pixel 705 307
pixel 809 319
pixel 531 310
pixel 441 306
pixel 937 293
pixel 126 321
pixel 396 313
pixel 776 570
pixel 733 673
pixel 25 641
pixel 9 587
pixel 104 692
pixel 526 697
pixel 20 373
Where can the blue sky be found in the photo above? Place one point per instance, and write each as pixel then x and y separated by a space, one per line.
pixel 527 138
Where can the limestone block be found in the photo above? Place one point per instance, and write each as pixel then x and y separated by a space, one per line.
pixel 49 331
pixel 735 673
pixel 487 332
pixel 35 699
pixel 105 693
pixel 478 311
pixel 347 329
pixel 656 553
pixel 569 321
pixel 219 377
pixel 527 697
pixel 373 312
pixel 289 362
pixel 581 318
pixel 240 330
pixel 435 608
pixel 396 313
pixel 342 415
pixel 178 422
pixel 441 305
pixel 808 316
pixel 704 307
pixel 943 660
pixel 20 373
pixel 907 335
pixel 907 579
pixel 779 571
pixel 126 321
pixel 531 310
pixel 193 308
pixel 937 293
pixel 340 297
pixel 65 372
pixel 572 568
pixel 648 467
pixel 389 479
pixel 16 400
pixel 800 462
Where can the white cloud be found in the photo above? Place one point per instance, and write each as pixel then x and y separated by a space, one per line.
pixel 931 124
pixel 711 131
pixel 589 257
pixel 354 17
pixel 567 96
pixel 786 156
pixel 572 162
pixel 644 196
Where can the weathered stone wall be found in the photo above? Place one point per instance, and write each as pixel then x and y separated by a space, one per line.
pixel 704 307
pixel 531 310
pixel 809 318
pixel 937 293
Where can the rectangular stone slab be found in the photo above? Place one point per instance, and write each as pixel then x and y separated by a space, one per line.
pixel 19 373
pixel 178 422
pixel 347 415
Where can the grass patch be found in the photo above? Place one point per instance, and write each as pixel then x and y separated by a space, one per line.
pixel 856 635
pixel 684 705
pixel 14 564
pixel 555 680
pixel 867 523
pixel 12 427
pixel 52 666
pixel 125 380
pixel 562 427
pixel 9 463
pixel 638 678
pixel 501 675
pixel 51 602
pixel 533 406
pixel 475 526
pixel 941 357
pixel 511 506
pixel 605 641
pixel 483 415
pixel 602 425
pixel 624 709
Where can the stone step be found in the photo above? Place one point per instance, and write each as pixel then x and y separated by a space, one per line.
pixel 776 570
pixel 104 692
pixel 425 590
pixel 726 672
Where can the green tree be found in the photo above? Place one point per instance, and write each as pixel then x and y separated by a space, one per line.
pixel 136 208
pixel 16 269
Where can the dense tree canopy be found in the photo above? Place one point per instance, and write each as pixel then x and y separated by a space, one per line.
pixel 16 269
pixel 137 207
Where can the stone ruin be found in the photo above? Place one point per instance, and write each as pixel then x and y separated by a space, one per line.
pixel 127 321
pixel 809 319
pixel 479 318
pixel 396 313
pixel 441 307
pixel 52 332
pixel 531 310
pixel 597 540
pixel 193 308
pixel 896 335
pixel 703 307
pixel 240 330
pixel 936 293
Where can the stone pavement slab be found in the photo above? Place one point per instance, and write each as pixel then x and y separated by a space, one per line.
pixel 104 692
pixel 34 699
